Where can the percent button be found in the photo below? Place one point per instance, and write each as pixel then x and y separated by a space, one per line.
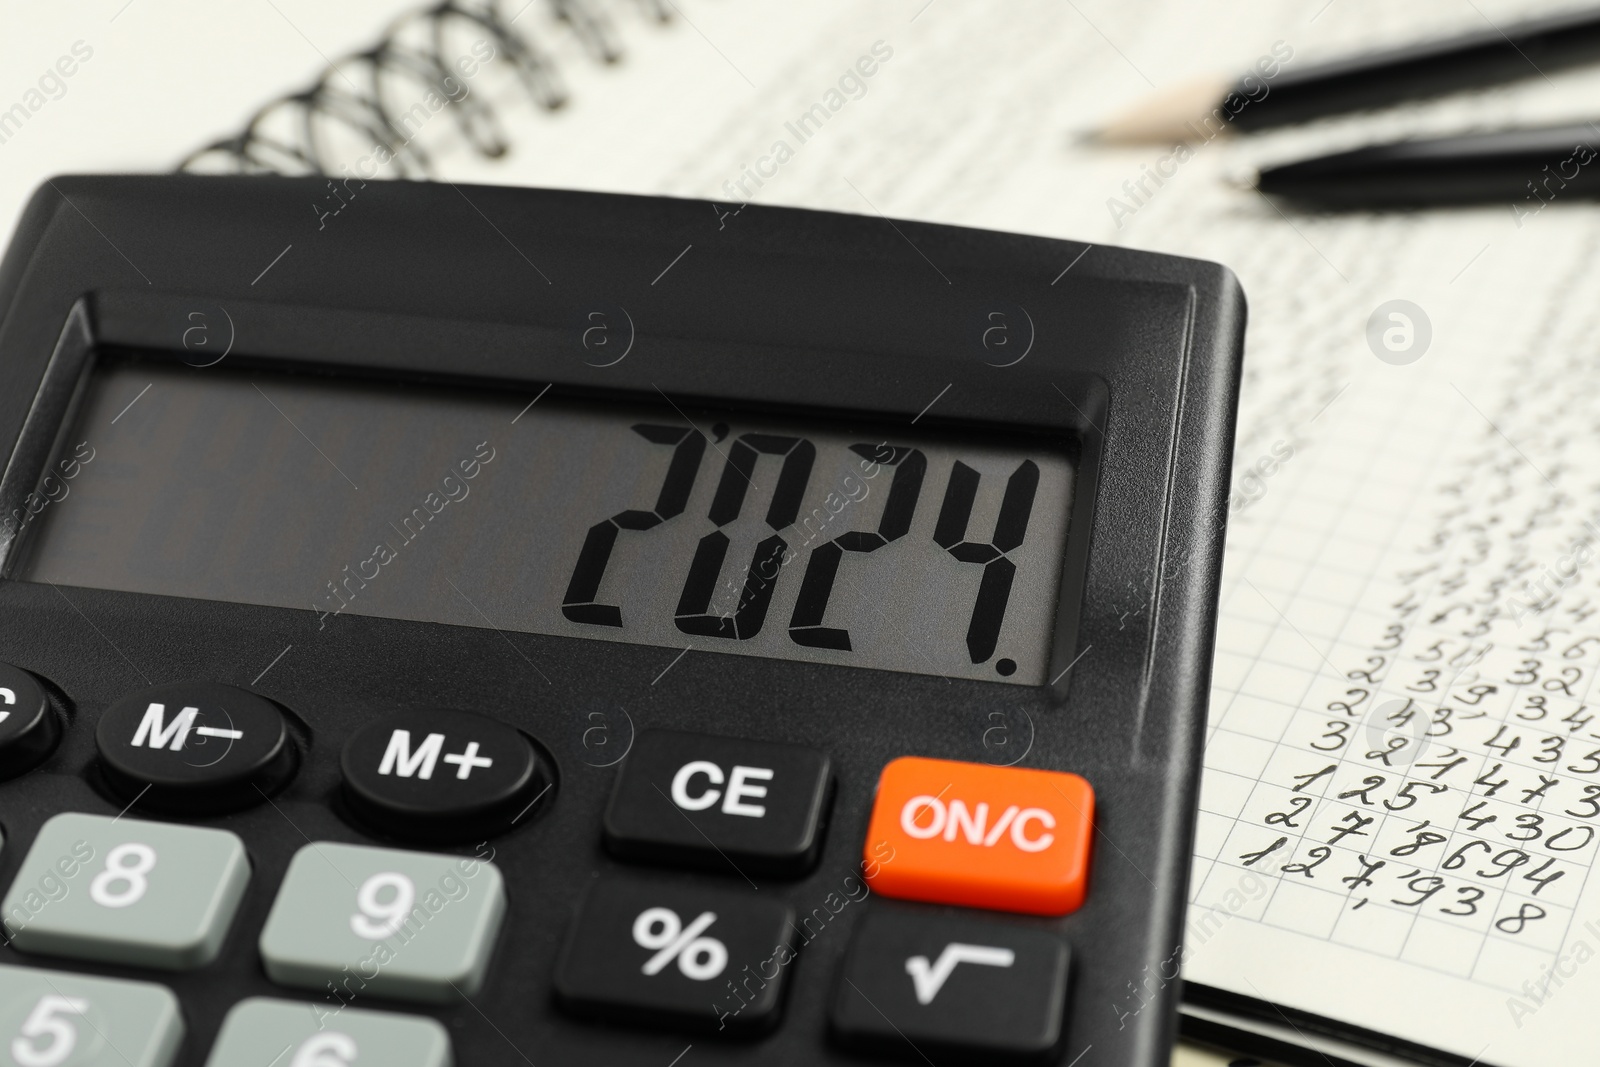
pixel 701 958
pixel 681 956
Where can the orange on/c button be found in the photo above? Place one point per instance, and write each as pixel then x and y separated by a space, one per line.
pixel 1006 838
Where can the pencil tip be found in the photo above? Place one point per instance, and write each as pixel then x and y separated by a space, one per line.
pixel 1185 112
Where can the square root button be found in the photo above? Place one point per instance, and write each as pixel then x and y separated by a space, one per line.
pixel 1006 838
pixel 721 803
pixel 951 987
pixel 356 921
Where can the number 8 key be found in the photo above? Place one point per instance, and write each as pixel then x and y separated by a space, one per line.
pixel 125 891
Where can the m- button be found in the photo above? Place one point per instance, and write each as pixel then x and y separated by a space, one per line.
pixel 1007 838
pixel 195 748
pixel 720 803
pixel 442 775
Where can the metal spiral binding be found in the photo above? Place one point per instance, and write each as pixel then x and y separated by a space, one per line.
pixel 291 134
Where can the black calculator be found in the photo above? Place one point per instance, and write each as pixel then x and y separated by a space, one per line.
pixel 459 625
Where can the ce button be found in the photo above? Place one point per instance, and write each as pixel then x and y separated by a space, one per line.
pixel 741 788
pixel 720 803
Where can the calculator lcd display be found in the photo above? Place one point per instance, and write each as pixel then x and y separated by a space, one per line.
pixel 821 541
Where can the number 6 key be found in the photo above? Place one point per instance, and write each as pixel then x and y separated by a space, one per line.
pixel 125 891
pixel 313 1035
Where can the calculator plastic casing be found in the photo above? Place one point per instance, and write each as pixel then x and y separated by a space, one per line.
pixel 1134 365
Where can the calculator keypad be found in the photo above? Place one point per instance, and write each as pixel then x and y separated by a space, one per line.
pixel 407 925
pixel 691 957
pixel 54 1019
pixel 951 985
pixel 120 890
pixel 719 802
pixel 305 1035
pixel 702 954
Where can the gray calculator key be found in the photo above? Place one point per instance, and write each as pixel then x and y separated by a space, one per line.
pixel 300 1034
pixel 53 1019
pixel 382 922
pixel 126 891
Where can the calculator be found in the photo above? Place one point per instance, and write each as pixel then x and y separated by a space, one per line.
pixel 462 625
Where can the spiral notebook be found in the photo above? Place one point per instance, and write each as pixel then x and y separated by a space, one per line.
pixel 1402 786
pixel 374 112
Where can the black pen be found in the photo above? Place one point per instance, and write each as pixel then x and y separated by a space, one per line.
pixel 1525 168
pixel 1275 92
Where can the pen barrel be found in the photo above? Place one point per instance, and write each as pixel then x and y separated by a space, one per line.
pixel 1523 168
pixel 1382 79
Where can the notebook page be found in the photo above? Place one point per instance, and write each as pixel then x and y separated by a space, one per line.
pixel 1381 668
pixel 1391 703
pixel 1397 829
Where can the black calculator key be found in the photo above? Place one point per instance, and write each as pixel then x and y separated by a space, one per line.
pixel 692 958
pixel 951 985
pixel 441 775
pixel 719 802
pixel 195 748
pixel 29 728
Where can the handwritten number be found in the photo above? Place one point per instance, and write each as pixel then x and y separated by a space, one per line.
pixel 1470 895
pixel 1319 856
pixel 1590 800
pixel 1286 818
pixel 1525 914
pixel 1337 731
